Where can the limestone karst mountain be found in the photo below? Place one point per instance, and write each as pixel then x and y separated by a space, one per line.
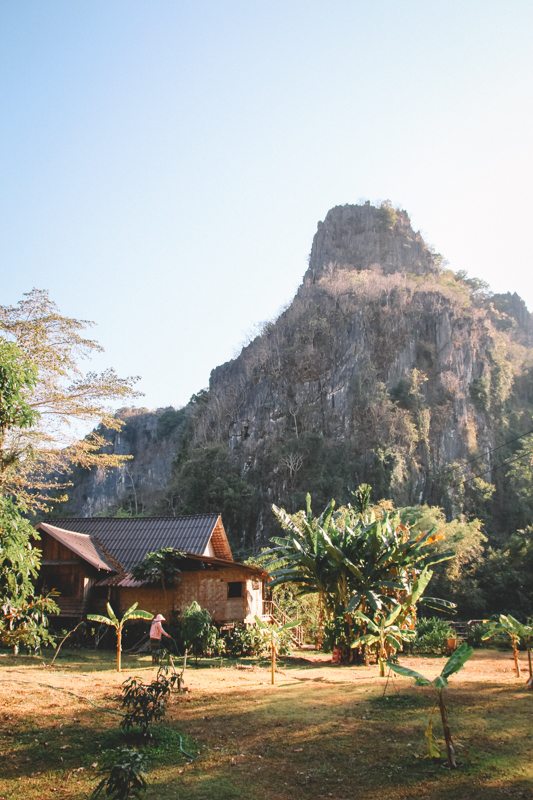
pixel 386 368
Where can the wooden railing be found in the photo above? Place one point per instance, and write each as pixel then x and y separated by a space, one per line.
pixel 276 614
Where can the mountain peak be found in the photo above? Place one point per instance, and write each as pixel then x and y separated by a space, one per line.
pixel 365 237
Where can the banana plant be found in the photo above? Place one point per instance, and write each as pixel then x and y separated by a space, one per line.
pixel 354 561
pixel 390 631
pixel 273 633
pixel 517 632
pixel 456 661
pixel 385 633
pixel 118 624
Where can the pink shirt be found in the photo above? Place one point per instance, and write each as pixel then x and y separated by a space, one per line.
pixel 156 630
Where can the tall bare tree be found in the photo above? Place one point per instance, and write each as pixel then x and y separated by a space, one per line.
pixel 34 458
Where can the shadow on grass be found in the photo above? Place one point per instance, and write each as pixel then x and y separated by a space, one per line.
pixel 82 742
pixel 301 742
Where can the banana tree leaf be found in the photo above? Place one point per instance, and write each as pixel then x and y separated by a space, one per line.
pixel 112 615
pixel 354 602
pixel 440 683
pixel 392 584
pixel 419 586
pixel 393 641
pixel 512 625
pixel 409 673
pixel 293 624
pixel 368 638
pixel 374 601
pixel 393 615
pixel 441 557
pixel 457 660
pixel 353 568
pixel 422 538
pixel 367 620
pixel 139 614
pixel 438 604
pixel 100 618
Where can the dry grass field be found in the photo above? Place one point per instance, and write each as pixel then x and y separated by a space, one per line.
pixel 321 732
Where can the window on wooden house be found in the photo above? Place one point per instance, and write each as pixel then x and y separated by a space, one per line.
pixel 234 589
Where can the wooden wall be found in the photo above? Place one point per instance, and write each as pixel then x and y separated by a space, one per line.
pixel 209 589
pixel 63 571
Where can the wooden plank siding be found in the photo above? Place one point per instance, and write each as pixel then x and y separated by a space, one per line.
pixel 219 542
pixel 71 576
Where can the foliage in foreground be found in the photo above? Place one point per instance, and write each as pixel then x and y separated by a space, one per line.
pixel 456 661
pixel 145 703
pixel 23 613
pixel 126 779
pixel 118 624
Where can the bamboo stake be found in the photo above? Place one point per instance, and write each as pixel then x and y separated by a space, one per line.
pixel 119 648
pixel 450 749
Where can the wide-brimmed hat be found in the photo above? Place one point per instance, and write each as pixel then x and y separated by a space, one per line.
pixel 159 618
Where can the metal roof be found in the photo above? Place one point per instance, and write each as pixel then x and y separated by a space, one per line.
pixel 128 539
pixel 80 543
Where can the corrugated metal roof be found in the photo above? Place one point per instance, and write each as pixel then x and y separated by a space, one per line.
pixel 79 543
pixel 130 539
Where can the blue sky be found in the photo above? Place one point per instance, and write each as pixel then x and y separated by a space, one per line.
pixel 163 165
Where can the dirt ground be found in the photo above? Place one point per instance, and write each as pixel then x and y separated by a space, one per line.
pixel 322 731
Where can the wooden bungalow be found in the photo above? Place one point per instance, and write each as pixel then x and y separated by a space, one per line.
pixel 89 562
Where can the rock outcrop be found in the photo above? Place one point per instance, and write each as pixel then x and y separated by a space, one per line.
pixel 364 237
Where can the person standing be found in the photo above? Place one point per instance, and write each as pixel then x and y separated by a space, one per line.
pixel 156 632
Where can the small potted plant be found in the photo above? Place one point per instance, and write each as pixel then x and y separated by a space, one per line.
pixel 451 643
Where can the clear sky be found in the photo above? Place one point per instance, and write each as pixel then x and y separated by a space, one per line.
pixel 163 163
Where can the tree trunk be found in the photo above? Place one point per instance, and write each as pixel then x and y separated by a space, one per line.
pixel 119 649
pixel 319 641
pixel 273 661
pixel 516 662
pixel 450 749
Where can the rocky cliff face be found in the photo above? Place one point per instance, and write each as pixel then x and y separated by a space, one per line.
pixel 152 438
pixel 385 369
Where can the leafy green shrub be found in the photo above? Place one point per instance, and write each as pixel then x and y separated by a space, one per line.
pixel 126 779
pixel 475 633
pixel 244 640
pixel 198 634
pixel 145 704
pixel 431 636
